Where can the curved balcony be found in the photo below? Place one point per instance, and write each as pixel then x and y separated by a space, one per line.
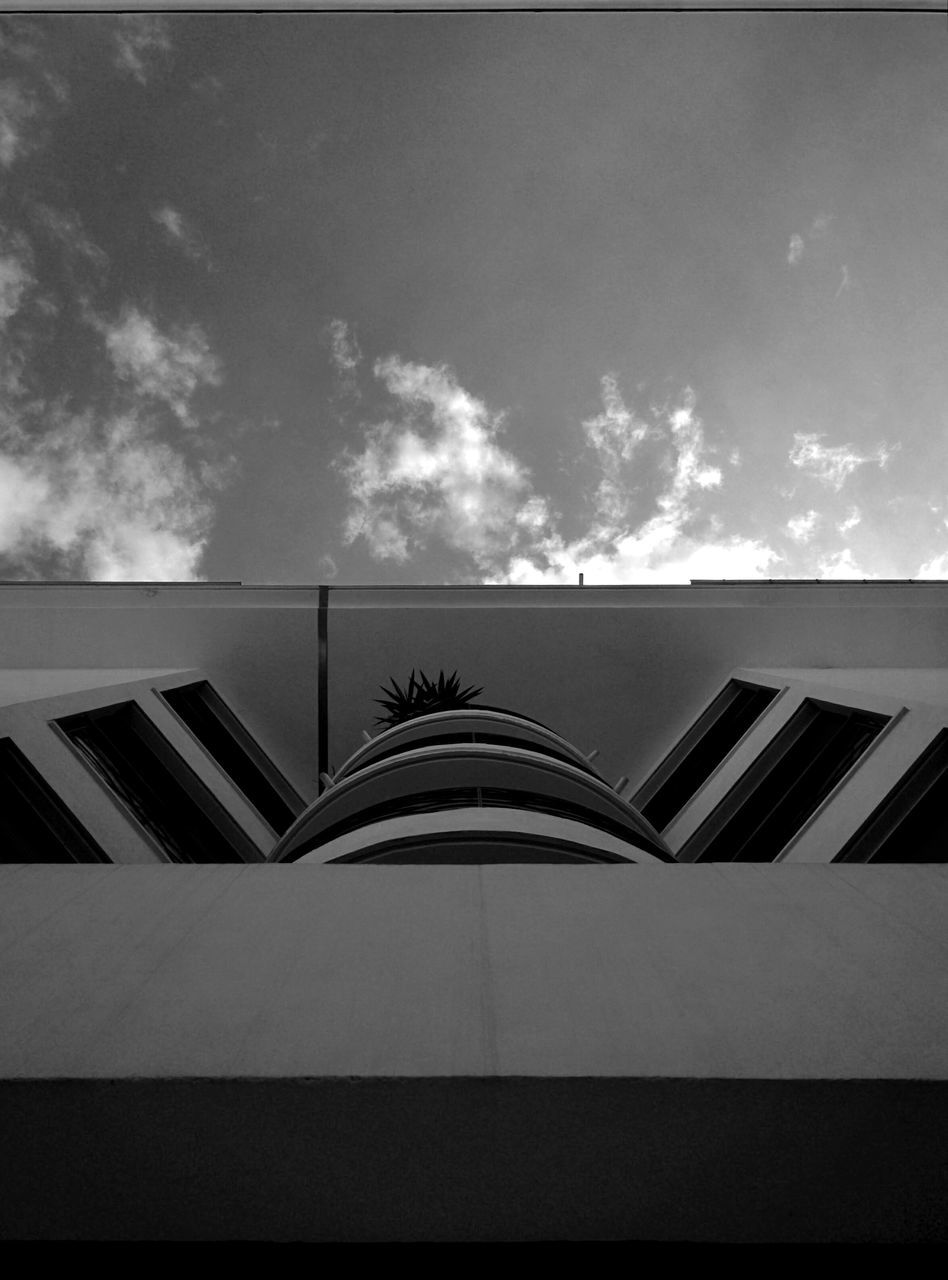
pixel 470 724
pixel 394 800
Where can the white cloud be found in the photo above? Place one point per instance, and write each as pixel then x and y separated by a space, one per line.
pixel 327 566
pixel 937 567
pixel 821 224
pixel 179 231
pixel 832 465
pixel 852 519
pixel 801 528
pixel 657 553
pixel 344 354
pixel 112 499
pixel 615 435
pixel 345 350
pixel 17 108
pixel 140 39
pixel 436 472
pixel 169 368
pixel 844 282
pixel 16 275
pixel 840 564
pixel 795 251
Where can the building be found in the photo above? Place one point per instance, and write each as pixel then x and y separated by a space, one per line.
pixel 549 1000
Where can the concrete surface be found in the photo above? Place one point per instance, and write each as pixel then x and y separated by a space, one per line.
pixel 463 1159
pixel 463 1053
pixel 736 971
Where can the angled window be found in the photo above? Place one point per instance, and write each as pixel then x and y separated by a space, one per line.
pixel 126 752
pixel 719 729
pixel 911 823
pixel 785 786
pixel 35 825
pixel 231 747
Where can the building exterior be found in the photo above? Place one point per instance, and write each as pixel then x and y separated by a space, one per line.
pixel 492 971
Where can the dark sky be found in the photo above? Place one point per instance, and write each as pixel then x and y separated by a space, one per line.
pixel 473 297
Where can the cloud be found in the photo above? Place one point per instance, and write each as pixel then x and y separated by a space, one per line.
pixel 653 556
pixel 821 224
pixel 20 39
pixel 327 566
pixel 832 465
pixel 179 232
pixel 140 40
pixel 344 354
pixel 937 567
pixel 168 368
pixel 17 107
pixel 16 274
pixel 68 230
pixel 853 518
pixel 111 500
pixel 801 528
pixel 840 564
pixel 615 435
pixel 795 251
pixel 436 472
pixel 844 282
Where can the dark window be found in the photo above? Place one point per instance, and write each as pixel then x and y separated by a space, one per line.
pixel 125 750
pixel 229 744
pixel 35 826
pixel 703 748
pixel 786 784
pixel 911 823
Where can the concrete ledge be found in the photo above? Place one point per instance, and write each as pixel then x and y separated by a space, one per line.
pixel 300 972
pixel 466 1159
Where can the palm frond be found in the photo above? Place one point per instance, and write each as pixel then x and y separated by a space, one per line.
pixel 422 696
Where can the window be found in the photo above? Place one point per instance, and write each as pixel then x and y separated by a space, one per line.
pixel 785 785
pixel 35 826
pixel 911 823
pixel 229 744
pixel 702 749
pixel 125 750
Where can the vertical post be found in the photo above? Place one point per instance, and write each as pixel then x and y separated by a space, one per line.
pixel 322 687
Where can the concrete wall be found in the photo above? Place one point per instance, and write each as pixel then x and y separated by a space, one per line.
pixel 735 971
pixel 26 685
pixel 257 646
pixel 624 670
pixel 286 1052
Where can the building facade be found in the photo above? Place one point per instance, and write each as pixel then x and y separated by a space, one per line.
pixel 517 921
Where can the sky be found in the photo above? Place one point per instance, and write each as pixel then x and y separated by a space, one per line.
pixel 399 298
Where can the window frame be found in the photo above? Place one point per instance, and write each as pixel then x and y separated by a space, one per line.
pixel 897 805
pixel 699 728
pixel 184 775
pixel 64 821
pixel 761 768
pixel 245 740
